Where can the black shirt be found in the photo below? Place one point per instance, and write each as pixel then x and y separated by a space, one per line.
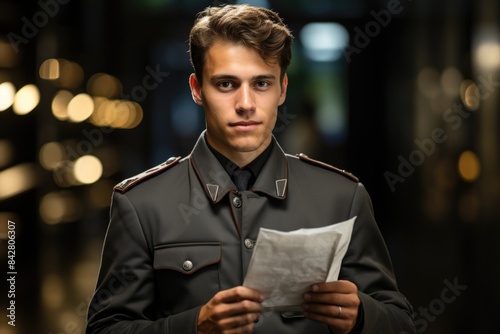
pixel 254 167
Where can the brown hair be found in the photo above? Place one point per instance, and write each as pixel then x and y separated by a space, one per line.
pixel 258 28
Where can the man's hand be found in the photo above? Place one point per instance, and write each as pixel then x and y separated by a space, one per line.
pixel 334 304
pixel 231 311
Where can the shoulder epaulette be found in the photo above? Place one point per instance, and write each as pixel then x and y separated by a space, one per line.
pixel 130 182
pixel 305 158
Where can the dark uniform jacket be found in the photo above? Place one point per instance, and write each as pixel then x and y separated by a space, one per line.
pixel 181 232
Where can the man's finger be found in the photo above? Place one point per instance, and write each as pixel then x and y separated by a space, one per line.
pixel 238 293
pixel 336 286
pixel 238 321
pixel 222 311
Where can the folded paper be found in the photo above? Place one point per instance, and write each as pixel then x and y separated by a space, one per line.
pixel 284 265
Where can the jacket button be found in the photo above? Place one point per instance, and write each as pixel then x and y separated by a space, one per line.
pixel 249 243
pixel 237 202
pixel 187 265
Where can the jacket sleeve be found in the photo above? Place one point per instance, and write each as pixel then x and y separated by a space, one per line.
pixel 367 264
pixel 124 299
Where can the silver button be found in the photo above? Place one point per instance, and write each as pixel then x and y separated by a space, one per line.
pixel 187 265
pixel 237 202
pixel 249 243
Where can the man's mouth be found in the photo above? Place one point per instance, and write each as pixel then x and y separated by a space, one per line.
pixel 244 125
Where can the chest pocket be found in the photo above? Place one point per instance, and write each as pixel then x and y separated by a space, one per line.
pixel 187 274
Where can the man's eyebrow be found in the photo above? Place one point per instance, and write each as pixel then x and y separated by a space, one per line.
pixel 219 77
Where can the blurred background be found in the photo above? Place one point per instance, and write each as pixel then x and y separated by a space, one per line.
pixel 404 94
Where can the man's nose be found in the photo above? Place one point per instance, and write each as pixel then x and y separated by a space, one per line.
pixel 245 100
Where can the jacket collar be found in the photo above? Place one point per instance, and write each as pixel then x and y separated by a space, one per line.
pixel 272 180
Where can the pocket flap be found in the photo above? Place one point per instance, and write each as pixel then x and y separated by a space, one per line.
pixel 187 258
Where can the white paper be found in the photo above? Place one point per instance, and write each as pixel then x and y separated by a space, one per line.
pixel 284 265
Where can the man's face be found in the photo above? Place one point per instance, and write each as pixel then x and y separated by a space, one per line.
pixel 240 95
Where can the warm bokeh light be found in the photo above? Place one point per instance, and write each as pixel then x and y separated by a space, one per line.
pixel 63 174
pixel 469 166
pixel 136 117
pixel 52 291
pixel 104 85
pixel 50 69
pixel 26 99
pixel 60 207
pixel 100 115
pixel 80 108
pixel 126 115
pixel 488 55
pixel 16 180
pixel 62 72
pixel 87 169
pixel 7 94
pixel 6 153
pixel 118 114
pixel 51 154
pixel 71 74
pixel 60 104
pixel 471 96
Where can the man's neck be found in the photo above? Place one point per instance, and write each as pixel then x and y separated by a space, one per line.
pixel 241 159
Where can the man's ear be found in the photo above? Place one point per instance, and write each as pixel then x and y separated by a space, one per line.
pixel 195 86
pixel 284 86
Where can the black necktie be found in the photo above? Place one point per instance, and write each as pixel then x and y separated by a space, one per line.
pixel 241 178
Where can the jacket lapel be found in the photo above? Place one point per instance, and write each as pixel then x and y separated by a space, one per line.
pixel 272 180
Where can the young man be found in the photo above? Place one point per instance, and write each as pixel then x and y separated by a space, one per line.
pixel 181 235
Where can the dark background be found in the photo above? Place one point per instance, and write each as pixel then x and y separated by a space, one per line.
pixel 367 111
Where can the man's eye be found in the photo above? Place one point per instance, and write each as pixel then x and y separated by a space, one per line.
pixel 262 84
pixel 225 84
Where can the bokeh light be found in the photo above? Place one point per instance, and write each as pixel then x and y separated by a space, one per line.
pixel 324 41
pixel 50 69
pixel 17 179
pixel 60 207
pixel 60 104
pixel 26 99
pixel 119 114
pixel 488 55
pixel 470 95
pixel 104 85
pixel 52 291
pixel 87 169
pixel 80 108
pixel 63 73
pixel 51 154
pixel 469 166
pixel 7 94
